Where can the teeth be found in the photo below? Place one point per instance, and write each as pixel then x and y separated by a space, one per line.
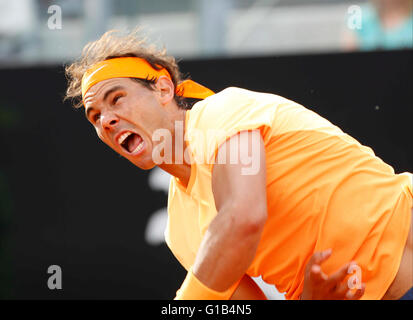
pixel 123 137
pixel 139 147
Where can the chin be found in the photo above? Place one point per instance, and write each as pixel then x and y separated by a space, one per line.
pixel 145 165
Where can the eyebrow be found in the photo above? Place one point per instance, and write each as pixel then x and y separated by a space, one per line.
pixel 107 93
pixel 105 96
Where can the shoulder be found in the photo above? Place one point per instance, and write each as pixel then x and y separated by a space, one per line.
pixel 229 97
pixel 236 98
pixel 233 106
pixel 215 119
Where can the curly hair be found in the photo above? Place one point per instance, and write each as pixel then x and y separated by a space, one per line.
pixel 114 45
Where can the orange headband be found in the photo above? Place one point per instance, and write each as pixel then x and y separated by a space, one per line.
pixel 132 67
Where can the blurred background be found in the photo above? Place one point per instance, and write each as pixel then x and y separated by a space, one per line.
pixel 42 31
pixel 67 200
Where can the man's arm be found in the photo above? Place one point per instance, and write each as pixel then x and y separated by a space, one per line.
pixel 231 240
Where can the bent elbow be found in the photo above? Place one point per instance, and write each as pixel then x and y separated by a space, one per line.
pixel 252 220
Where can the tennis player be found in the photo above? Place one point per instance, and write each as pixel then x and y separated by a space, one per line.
pixel 261 186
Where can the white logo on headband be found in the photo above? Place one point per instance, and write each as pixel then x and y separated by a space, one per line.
pixel 86 80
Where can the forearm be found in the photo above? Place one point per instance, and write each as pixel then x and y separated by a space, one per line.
pixel 226 252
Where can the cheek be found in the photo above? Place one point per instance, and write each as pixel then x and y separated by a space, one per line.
pixel 153 120
pixel 98 132
pixel 145 110
pixel 103 138
pixel 131 113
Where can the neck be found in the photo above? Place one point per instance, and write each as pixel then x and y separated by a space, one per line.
pixel 180 167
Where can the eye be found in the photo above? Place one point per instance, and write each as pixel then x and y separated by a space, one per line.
pixel 116 98
pixel 96 117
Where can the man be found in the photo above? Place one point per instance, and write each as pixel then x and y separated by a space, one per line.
pixel 260 185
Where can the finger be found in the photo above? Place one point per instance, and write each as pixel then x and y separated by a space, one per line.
pixel 320 256
pixel 317 275
pixel 357 294
pixel 340 291
pixel 338 276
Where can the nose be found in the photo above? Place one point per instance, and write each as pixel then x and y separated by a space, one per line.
pixel 109 120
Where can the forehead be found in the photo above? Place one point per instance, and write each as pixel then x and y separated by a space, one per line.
pixel 97 90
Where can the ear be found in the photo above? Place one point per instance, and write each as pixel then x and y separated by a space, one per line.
pixel 166 89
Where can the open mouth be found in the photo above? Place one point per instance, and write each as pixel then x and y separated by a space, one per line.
pixel 131 142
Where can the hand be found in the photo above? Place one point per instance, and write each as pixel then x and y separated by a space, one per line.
pixel 319 286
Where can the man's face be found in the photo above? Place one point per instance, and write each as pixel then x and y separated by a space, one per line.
pixel 125 114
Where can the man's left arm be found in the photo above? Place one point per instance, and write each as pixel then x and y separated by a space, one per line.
pixel 230 242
